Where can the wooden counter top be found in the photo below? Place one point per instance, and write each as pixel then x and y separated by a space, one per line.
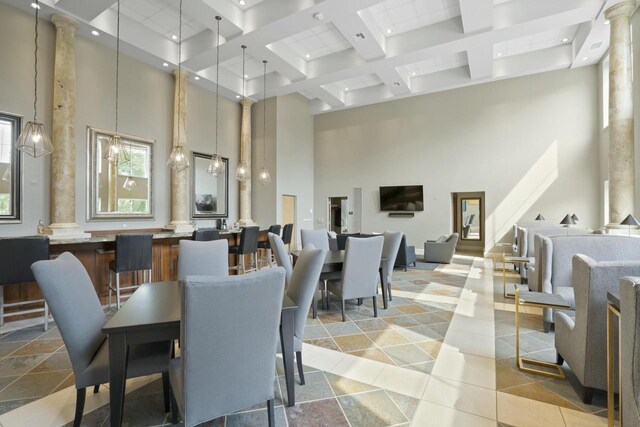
pixel 106 238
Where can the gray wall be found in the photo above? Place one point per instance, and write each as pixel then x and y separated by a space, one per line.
pixel 146 110
pixel 530 143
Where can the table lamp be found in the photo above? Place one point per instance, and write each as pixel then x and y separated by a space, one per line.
pixel 540 218
pixel 568 221
pixel 630 220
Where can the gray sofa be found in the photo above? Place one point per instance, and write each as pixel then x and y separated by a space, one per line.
pixel 630 324
pixel 441 250
pixel 582 341
pixel 556 255
pixel 515 251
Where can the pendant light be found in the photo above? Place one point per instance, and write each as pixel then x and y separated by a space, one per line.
pixel 216 164
pixel 178 159
pixel 242 171
pixel 34 140
pixel 129 183
pixel 115 151
pixel 264 177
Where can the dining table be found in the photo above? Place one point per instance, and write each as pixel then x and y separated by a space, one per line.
pixel 152 314
pixel 334 261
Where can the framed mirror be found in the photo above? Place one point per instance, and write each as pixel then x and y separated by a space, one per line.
pixel 471 226
pixel 209 194
pixel 10 157
pixel 124 190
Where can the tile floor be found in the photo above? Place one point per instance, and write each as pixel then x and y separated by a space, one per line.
pixel 440 355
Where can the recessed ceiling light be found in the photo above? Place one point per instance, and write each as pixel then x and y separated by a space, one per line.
pixel 197 77
pixel 95 33
pixel 413 74
pixel 165 64
pixel 346 88
pixel 396 83
pixel 606 22
pixel 586 58
pixel 499 54
pixel 237 96
pixel 564 40
pixel 307 56
pixel 246 76
pixel 389 31
pixel 35 5
pixel 174 37
pixel 242 3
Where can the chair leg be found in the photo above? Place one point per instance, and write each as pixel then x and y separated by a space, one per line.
pixel 300 371
pixel 389 291
pixel 587 395
pixel 359 301
pixel 547 327
pixel 46 316
pixel 1 305
pixel 375 307
pixel 118 290
pixel 344 319
pixel 81 393
pixel 271 413
pixel 314 305
pixel 322 301
pixel 559 359
pixel 96 388
pixel 166 391
pixel 175 412
pixel 242 263
pixel 110 287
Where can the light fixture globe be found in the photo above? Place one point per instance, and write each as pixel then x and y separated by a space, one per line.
pixel 178 159
pixel 216 166
pixel 34 141
pixel 116 152
pixel 264 177
pixel 129 184
pixel 242 172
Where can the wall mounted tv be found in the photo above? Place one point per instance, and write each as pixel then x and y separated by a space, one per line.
pixel 404 198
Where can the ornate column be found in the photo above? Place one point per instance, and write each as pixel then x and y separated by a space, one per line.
pixel 63 160
pixel 245 156
pixel 179 180
pixel 621 140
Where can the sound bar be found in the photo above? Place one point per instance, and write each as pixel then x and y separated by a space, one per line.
pixel 401 214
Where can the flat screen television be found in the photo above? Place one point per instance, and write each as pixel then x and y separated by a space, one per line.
pixel 404 198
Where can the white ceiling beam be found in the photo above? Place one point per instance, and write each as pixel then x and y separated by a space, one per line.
pixel 84 9
pixel 480 61
pixel 370 45
pixel 477 15
pixel 396 83
pixel 232 15
pixel 326 97
pixel 283 60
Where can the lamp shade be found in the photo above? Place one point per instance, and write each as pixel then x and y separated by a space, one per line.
pixel 540 218
pixel 575 218
pixel 34 141
pixel 630 220
pixel 568 220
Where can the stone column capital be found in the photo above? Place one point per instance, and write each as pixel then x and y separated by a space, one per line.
pixel 64 22
pixel 622 9
pixel 182 73
pixel 246 102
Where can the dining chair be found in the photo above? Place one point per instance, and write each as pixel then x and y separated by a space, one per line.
pixel 16 256
pixel 359 272
pixel 281 256
pixel 68 290
pixel 205 234
pixel 287 235
pixel 203 258
pixel 134 253
pixel 302 290
pixel 317 238
pixel 390 249
pixel 229 367
pixel 248 246
pixel 265 246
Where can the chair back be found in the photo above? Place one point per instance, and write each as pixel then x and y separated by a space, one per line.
pixel 228 353
pixel 361 265
pixel 68 290
pixel 273 229
pixel 134 252
pixel 630 342
pixel 318 238
pixel 16 256
pixel 203 258
pixel 390 250
pixel 205 234
pixel 287 234
pixel 281 256
pixel 249 240
pixel 304 283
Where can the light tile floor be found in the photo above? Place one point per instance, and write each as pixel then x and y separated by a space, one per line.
pixel 441 355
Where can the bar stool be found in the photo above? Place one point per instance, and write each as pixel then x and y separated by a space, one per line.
pixel 16 256
pixel 205 234
pixel 248 246
pixel 266 245
pixel 287 234
pixel 133 253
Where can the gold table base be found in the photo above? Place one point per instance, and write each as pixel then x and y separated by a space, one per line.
pixel 611 417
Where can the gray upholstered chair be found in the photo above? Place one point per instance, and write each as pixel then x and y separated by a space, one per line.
pixel 390 250
pixel 68 290
pixel 282 256
pixel 582 342
pixel 359 272
pixel 630 329
pixel 406 255
pixel 231 366
pixel 318 238
pixel 302 290
pixel 205 234
pixel 441 251
pixel 208 258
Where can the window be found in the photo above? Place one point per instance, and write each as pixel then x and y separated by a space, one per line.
pixel 10 127
pixel 605 92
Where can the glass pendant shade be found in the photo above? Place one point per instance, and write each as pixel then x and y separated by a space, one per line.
pixel 116 152
pixel 34 141
pixel 178 159
pixel 264 177
pixel 129 184
pixel 216 166
pixel 7 174
pixel 242 172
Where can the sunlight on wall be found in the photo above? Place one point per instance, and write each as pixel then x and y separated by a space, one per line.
pixel 522 196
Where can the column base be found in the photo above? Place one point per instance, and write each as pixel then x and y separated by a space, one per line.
pixel 65 231
pixel 180 227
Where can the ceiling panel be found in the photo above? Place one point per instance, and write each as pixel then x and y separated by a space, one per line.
pixel 433 65
pixel 246 4
pixel 535 42
pixel 161 16
pixel 253 67
pixel 400 16
pixel 319 41
pixel 354 83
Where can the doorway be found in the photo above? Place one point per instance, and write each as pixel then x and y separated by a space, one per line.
pixel 289 203
pixel 468 219
pixel 338 214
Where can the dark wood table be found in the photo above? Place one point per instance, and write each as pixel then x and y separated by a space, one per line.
pixel 334 261
pixel 152 314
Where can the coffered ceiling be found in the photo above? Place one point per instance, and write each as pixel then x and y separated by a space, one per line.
pixel 346 53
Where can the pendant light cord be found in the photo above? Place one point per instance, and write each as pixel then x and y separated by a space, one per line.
pixel 179 74
pixel 218 18
pixel 244 48
pixel 35 62
pixel 264 115
pixel 117 64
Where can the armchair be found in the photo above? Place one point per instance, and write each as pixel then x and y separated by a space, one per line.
pixel 406 255
pixel 630 324
pixel 441 250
